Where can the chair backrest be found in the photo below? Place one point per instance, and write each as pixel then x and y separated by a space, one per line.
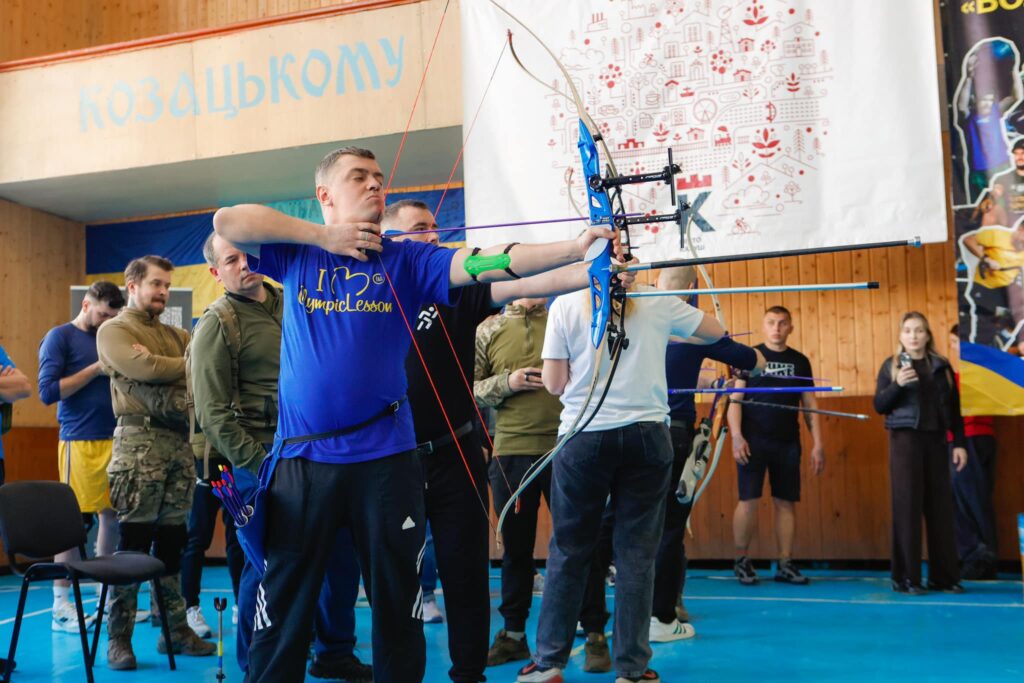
pixel 39 519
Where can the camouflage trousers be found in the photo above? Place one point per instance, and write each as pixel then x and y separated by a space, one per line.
pixel 152 479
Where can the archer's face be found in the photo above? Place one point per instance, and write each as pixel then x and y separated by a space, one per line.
pixel 353 191
pixel 97 313
pixel 417 224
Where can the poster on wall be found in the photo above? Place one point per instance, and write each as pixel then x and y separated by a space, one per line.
pixel 809 123
pixel 983 43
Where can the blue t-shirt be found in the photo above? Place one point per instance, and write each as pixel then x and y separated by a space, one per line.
pixel 5 361
pixel 344 344
pixel 682 366
pixel 986 141
pixel 86 415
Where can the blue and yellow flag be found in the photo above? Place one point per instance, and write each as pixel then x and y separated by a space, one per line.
pixel 991 381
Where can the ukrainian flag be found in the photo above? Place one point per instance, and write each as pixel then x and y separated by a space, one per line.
pixel 991 381
pixel 109 247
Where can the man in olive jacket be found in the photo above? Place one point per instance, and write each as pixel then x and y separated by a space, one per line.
pixel 152 473
pixel 235 364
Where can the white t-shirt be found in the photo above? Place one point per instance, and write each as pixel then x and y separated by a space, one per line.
pixel 639 391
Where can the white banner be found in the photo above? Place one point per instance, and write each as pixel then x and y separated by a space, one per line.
pixel 810 122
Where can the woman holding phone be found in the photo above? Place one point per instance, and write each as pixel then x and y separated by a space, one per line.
pixel 918 396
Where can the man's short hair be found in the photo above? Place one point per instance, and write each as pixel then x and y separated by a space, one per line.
pixel 106 292
pixel 208 252
pixel 325 165
pixel 391 210
pixel 137 268
pixel 1018 145
pixel 780 310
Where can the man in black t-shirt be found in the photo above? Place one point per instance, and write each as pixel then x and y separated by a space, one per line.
pixel 767 440
pixel 457 513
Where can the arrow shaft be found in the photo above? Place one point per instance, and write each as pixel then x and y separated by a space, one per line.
pixel 827 287
pixel 802 409
pixel 705 260
pixel 757 390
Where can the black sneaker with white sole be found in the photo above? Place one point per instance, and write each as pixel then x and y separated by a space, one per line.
pixel 788 573
pixel 744 571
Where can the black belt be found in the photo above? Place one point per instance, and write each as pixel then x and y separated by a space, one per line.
pixel 681 424
pixel 391 409
pixel 144 421
pixel 428 447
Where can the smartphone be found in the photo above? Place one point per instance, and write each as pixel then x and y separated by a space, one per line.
pixel 532 374
pixel 905 360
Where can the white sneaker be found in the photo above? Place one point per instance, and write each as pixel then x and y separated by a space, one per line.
pixel 65 618
pixel 674 630
pixel 234 615
pixel 538 584
pixel 141 615
pixel 580 631
pixel 432 613
pixel 197 622
pixel 361 599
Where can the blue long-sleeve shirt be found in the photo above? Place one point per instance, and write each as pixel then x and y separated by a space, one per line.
pixel 682 367
pixel 5 362
pixel 87 415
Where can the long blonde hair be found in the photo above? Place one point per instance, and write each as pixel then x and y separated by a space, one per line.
pixel 929 346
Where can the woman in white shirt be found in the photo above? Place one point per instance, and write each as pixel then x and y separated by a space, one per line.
pixel 625 451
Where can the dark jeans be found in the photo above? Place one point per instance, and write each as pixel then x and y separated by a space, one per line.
pixel 201 524
pixel 381 502
pixel 518 534
pixel 670 565
pixel 461 534
pixel 972 492
pixel 632 464
pixel 919 474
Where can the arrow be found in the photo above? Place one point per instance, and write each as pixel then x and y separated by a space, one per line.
pixel 827 287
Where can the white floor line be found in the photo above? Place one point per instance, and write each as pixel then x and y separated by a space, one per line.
pixel 910 601
pixel 48 610
pixel 579 648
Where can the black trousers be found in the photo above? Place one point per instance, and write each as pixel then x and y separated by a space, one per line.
pixel 381 501
pixel 519 534
pixel 202 522
pixel 460 529
pixel 670 565
pixel 972 493
pixel 919 474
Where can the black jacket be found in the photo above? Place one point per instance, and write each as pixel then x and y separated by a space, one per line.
pixel 901 405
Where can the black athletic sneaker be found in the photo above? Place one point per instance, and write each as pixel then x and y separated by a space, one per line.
pixel 348 669
pixel 744 571
pixel 788 573
pixel 506 649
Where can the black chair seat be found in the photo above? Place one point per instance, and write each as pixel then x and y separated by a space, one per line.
pixel 120 569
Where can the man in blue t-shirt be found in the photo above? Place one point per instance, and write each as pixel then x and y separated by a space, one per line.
pixel 71 375
pixel 14 386
pixel 344 453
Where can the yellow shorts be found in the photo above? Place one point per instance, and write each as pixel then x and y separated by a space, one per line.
pixel 83 466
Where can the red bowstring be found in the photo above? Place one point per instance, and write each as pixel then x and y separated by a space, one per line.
pixel 394 293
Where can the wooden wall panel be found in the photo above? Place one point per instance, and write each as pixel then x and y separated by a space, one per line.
pixel 31 29
pixel 42 256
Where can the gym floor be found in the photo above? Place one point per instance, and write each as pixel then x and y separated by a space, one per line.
pixel 845 626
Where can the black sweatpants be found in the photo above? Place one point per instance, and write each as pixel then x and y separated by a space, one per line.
pixel 460 530
pixel 518 535
pixel 381 501
pixel 975 515
pixel 670 567
pixel 202 522
pixel 919 472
